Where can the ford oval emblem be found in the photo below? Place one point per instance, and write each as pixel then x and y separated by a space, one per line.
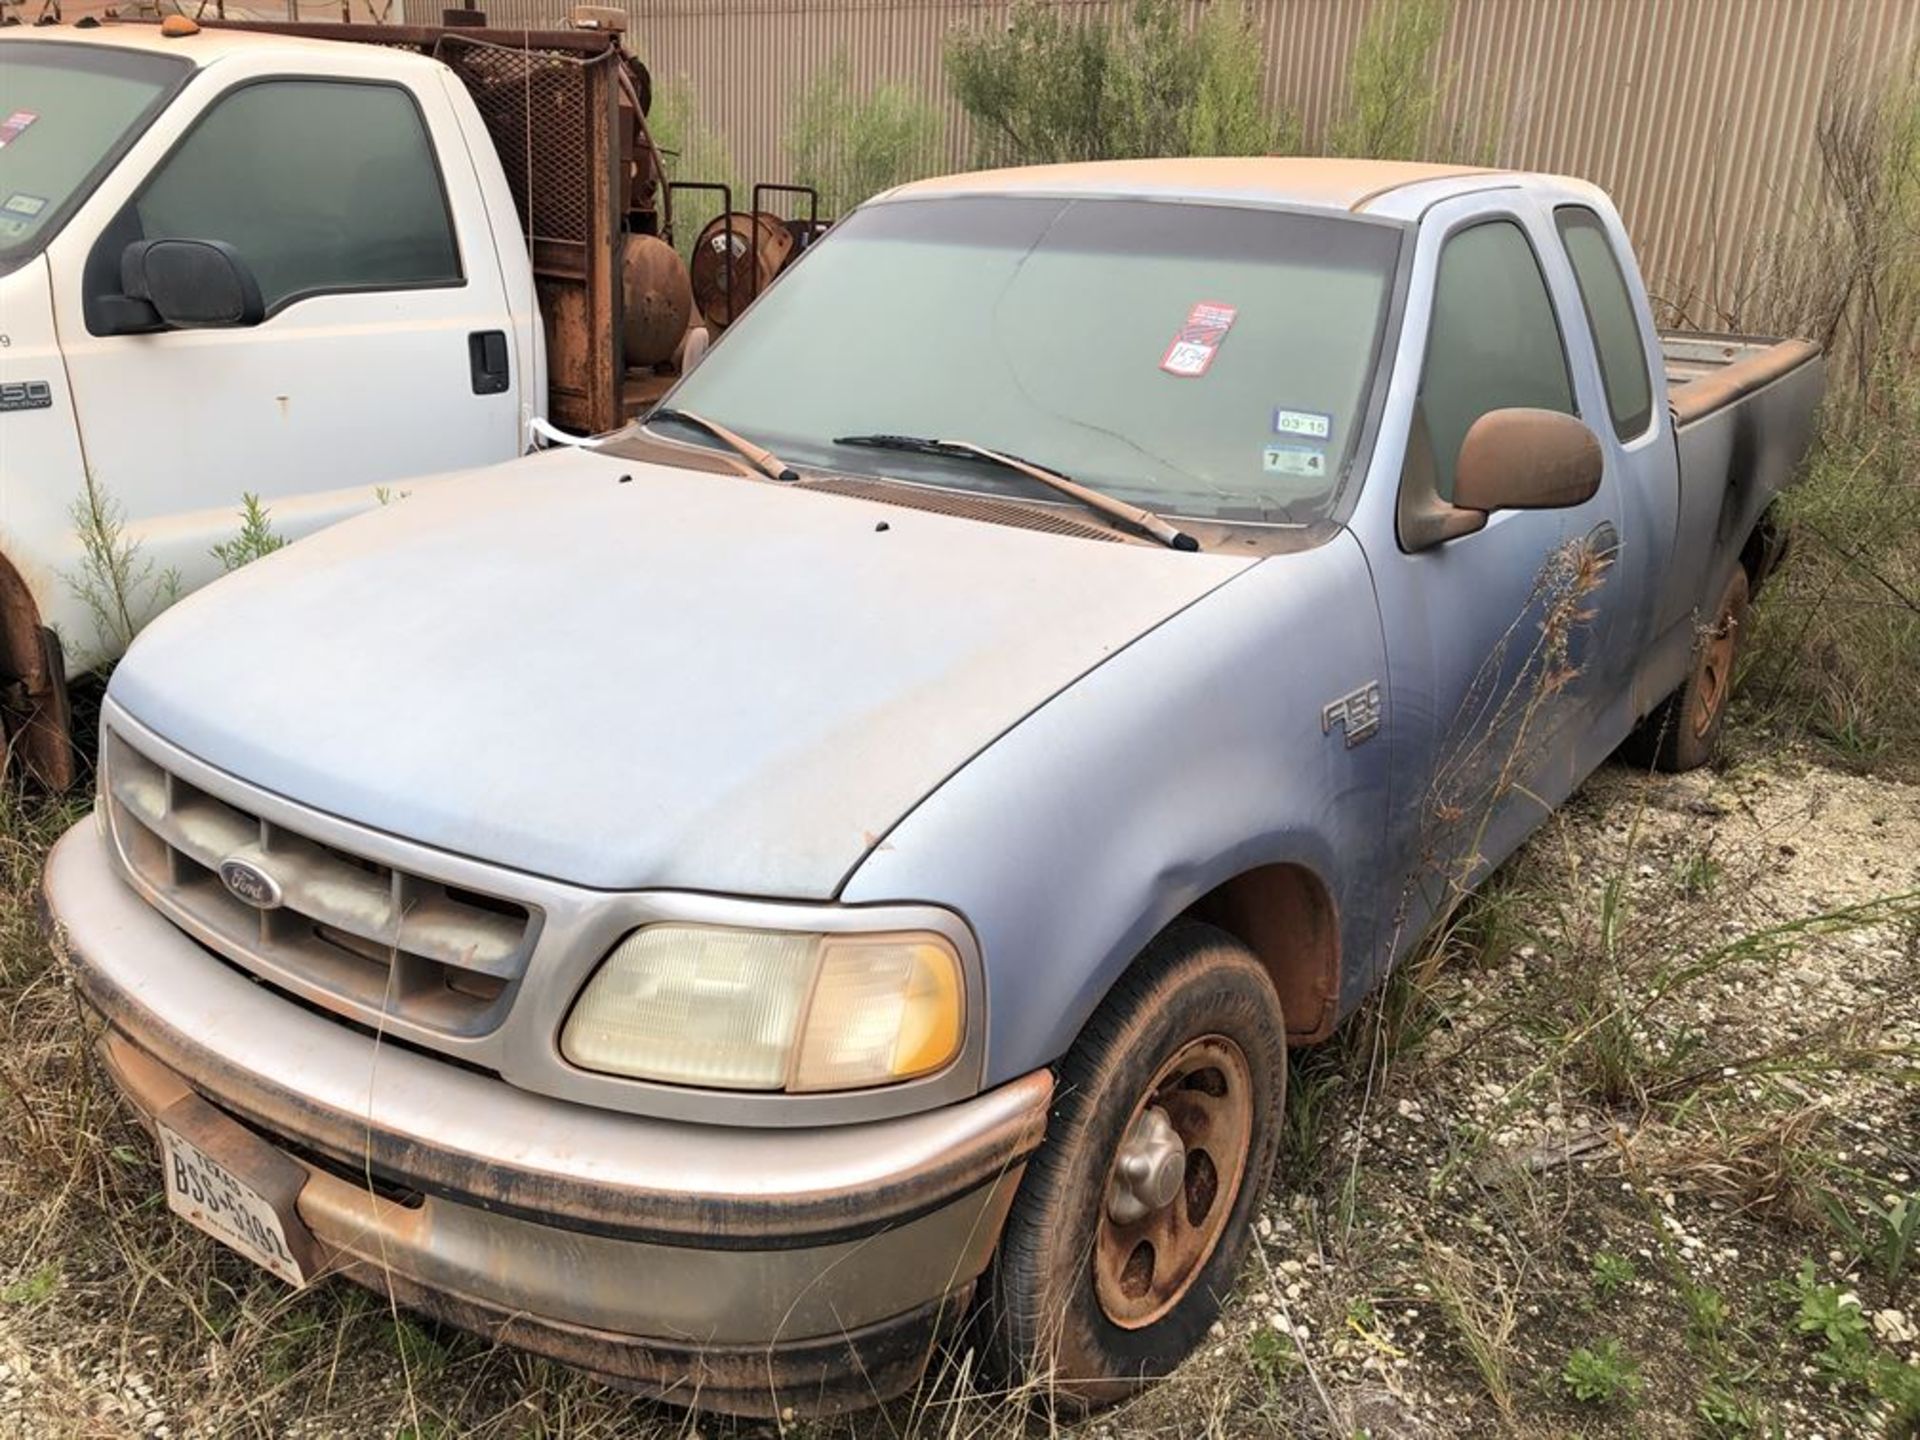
pixel 249 884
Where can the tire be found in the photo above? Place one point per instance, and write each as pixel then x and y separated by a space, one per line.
pixel 1684 729
pixel 37 715
pixel 1073 1314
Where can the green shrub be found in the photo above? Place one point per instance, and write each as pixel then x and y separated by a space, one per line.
pixel 1395 90
pixel 1602 1374
pixel 255 537
pixel 1052 87
pixel 851 147
pixel 1393 86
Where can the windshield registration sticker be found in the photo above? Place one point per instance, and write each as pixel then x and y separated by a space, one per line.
pixel 1193 348
pixel 1307 424
pixel 12 127
pixel 1295 460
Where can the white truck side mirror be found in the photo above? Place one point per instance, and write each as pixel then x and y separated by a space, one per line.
pixel 192 284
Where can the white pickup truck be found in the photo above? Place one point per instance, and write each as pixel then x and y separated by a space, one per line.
pixel 237 261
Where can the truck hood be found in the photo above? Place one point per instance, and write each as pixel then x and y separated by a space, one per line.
pixel 629 676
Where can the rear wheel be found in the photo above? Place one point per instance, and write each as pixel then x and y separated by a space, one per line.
pixel 1132 1219
pixel 1682 733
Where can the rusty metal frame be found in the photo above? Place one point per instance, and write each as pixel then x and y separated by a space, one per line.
pixel 764 188
pixel 726 212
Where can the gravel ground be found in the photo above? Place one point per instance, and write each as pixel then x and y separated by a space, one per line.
pixel 1670 1057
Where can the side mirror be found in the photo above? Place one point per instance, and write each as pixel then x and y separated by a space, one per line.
pixel 192 284
pixel 1526 460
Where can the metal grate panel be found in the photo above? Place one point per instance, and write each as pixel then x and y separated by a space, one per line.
pixel 534 103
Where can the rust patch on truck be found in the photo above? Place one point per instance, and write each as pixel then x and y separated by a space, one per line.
pixel 38 716
pixel 1285 915
pixel 824 1375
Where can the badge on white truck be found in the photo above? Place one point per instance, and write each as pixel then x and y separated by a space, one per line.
pixel 25 395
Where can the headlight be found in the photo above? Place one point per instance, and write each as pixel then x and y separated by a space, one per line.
pixel 769 1010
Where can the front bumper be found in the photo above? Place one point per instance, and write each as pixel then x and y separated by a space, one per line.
pixel 746 1270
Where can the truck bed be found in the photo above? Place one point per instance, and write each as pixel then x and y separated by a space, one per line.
pixel 1707 372
pixel 1743 415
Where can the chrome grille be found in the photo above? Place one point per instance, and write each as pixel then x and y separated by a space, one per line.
pixel 385 940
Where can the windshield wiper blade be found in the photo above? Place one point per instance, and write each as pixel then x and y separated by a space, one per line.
pixel 1168 534
pixel 758 456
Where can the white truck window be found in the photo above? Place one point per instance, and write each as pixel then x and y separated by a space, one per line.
pixel 1616 329
pixel 1495 342
pixel 319 185
pixel 66 111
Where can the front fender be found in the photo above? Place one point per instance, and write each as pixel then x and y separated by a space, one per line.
pixel 1196 753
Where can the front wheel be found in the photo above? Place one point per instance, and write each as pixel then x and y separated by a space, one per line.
pixel 1132 1219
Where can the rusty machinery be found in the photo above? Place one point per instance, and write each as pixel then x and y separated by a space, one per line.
pixel 665 300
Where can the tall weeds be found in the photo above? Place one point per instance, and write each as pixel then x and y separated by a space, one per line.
pixel 112 578
pixel 1835 650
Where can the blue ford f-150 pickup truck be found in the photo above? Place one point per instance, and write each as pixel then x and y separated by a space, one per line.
pixel 721 904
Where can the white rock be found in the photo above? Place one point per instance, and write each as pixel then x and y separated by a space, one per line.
pixel 1893 1327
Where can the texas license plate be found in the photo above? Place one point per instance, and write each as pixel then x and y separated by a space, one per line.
pixel 206 1193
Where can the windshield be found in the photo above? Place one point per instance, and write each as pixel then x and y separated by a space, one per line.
pixel 1199 360
pixel 66 112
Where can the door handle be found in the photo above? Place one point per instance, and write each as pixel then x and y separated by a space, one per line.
pixel 487 350
pixel 1604 540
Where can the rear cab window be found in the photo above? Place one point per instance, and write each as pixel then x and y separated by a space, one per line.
pixel 1612 317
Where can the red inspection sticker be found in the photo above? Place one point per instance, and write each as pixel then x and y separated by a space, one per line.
pixel 11 127
pixel 1193 348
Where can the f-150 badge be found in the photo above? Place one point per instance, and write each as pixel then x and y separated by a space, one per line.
pixel 25 395
pixel 1357 713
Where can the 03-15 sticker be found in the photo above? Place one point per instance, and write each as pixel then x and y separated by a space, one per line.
pixel 1303 424
pixel 1199 340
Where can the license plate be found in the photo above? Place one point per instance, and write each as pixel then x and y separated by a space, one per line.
pixel 206 1193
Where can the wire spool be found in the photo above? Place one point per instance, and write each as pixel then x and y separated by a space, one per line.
pixel 655 300
pixel 735 258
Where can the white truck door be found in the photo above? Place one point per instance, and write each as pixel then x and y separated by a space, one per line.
pixel 384 353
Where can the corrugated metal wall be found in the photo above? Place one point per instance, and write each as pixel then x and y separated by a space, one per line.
pixel 1697 115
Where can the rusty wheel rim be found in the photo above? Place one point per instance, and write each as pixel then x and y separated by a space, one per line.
pixel 1716 673
pixel 1146 1254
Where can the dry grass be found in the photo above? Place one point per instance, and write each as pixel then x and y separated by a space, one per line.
pixel 1680 1030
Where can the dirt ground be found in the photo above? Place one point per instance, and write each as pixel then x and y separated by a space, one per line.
pixel 1635 1150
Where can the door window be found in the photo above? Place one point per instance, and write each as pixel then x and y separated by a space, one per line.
pixel 319 185
pixel 1616 328
pixel 1494 342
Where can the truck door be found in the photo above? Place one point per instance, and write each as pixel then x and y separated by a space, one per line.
pixel 355 206
pixel 1492 635
pixel 1631 418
